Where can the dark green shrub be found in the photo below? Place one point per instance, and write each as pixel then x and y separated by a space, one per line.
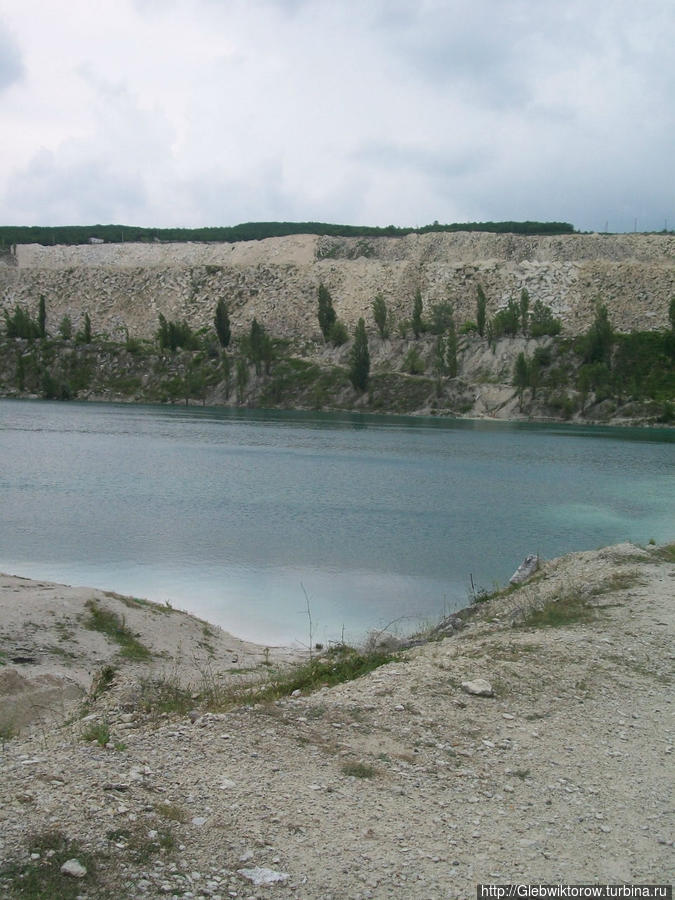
pixel 338 333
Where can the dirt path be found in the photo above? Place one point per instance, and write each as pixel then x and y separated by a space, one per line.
pixel 398 784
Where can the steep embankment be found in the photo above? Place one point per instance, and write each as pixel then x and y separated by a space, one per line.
pixel 126 286
pixel 123 289
pixel 400 783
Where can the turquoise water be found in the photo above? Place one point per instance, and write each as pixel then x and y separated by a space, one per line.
pixel 239 515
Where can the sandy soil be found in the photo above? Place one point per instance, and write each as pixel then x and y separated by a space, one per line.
pixel 399 784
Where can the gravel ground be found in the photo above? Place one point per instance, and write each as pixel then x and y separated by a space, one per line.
pixel 398 784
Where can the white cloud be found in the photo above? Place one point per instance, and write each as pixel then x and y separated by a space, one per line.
pixel 198 112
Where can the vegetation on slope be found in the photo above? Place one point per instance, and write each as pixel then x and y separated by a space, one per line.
pixel 429 365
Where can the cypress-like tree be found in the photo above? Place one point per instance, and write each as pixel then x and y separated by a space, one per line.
pixel 256 345
pixel 481 305
pixel 417 326
pixel 326 312
pixel 42 318
pixel 222 324
pixel 359 358
pixel 380 314
pixel 521 376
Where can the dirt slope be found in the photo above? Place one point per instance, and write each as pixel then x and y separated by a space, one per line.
pixel 399 784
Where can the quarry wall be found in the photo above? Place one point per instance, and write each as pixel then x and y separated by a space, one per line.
pixel 126 286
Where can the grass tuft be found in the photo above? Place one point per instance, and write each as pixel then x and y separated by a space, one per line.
pixel 39 879
pixel 568 609
pixel 99 732
pixel 359 770
pixel 666 552
pixel 110 624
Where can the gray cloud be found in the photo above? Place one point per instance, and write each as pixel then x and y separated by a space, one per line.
pixel 52 190
pixel 395 111
pixel 11 62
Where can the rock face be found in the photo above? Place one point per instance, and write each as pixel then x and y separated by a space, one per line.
pixel 126 286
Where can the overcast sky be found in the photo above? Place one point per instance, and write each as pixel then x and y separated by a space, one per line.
pixel 214 112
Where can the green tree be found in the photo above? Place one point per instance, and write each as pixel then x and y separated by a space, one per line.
pixel 326 312
pixel 521 376
pixel 381 315
pixel 256 345
pixel 417 324
pixel 84 336
pixel 242 378
pixel 66 328
pixel 338 333
pixel 671 313
pixel 542 321
pixel 413 362
pixel 442 318
pixel 451 364
pixel 524 309
pixel 20 324
pixel 506 321
pixel 42 317
pixel 599 339
pixel 267 353
pixel 227 372
pixel 222 323
pixel 359 368
pixel 481 307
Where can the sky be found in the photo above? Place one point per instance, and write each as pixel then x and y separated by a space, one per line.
pixel 375 112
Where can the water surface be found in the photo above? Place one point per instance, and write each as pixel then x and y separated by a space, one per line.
pixel 242 516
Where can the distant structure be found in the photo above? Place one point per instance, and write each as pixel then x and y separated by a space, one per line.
pixel 95 240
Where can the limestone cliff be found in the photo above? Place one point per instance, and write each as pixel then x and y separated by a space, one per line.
pixel 126 286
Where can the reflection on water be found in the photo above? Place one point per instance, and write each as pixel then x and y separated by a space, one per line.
pixel 235 515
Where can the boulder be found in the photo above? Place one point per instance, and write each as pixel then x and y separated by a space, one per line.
pixel 525 570
pixel 479 687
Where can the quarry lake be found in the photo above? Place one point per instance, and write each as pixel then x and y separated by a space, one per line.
pixel 240 516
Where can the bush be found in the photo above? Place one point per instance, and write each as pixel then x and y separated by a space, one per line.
pixel 507 321
pixel 20 325
pixel 442 318
pixel 413 363
pixel 542 321
pixel 338 333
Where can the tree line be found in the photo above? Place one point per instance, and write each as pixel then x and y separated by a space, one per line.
pixel 251 231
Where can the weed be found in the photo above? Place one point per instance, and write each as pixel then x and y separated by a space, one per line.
pixel 165 695
pixel 99 732
pixel 666 552
pixel 102 682
pixel 7 732
pixel 41 878
pixel 567 609
pixel 59 651
pixel 359 770
pixel 171 811
pixel 110 624
pixel 619 581
pixel 140 843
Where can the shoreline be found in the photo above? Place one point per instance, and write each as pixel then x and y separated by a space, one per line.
pixel 556 773
pixel 432 415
